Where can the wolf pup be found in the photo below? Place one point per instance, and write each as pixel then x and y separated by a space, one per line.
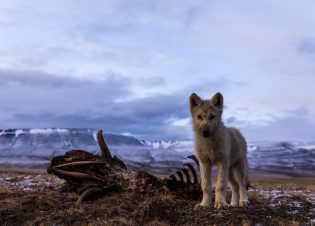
pixel 221 145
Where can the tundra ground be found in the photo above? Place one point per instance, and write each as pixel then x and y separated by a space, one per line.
pixel 36 198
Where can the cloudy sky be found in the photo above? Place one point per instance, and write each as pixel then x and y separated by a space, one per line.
pixel 130 66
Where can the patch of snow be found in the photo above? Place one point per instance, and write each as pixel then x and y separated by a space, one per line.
pixel 252 148
pixel 18 132
pixel 30 182
pixel 308 146
pixel 166 144
pixel 293 212
pixel 47 131
pixel 273 194
pixel 95 136
pixel 156 145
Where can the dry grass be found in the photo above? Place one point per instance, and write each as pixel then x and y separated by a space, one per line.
pixel 44 200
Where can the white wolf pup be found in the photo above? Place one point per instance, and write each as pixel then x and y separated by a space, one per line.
pixel 221 145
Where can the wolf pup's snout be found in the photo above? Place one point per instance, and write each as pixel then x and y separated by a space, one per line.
pixel 205 132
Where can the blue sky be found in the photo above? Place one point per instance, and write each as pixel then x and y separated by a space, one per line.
pixel 130 66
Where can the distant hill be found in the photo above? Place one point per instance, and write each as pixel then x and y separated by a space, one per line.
pixel 38 146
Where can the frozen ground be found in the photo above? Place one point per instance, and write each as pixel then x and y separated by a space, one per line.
pixel 32 182
pixel 32 199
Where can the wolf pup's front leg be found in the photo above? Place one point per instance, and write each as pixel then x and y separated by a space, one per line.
pixel 221 185
pixel 206 186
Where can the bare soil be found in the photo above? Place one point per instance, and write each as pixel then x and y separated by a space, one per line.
pixel 36 198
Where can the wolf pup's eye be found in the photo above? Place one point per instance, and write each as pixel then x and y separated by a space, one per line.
pixel 199 117
pixel 211 117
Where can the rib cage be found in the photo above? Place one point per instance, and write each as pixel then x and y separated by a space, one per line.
pixel 90 174
pixel 187 174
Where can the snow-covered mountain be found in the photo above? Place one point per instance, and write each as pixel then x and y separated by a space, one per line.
pixel 59 138
pixel 161 144
pixel 38 146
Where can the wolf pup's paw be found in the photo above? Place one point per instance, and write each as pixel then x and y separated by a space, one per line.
pixel 244 203
pixel 221 205
pixel 233 205
pixel 200 206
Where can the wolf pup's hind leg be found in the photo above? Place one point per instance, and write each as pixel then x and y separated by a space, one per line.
pixel 241 179
pixel 235 190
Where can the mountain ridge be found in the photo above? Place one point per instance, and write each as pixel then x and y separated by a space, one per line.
pixel 38 146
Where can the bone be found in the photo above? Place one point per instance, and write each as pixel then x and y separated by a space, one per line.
pixel 193 157
pixel 86 193
pixel 173 178
pixel 105 151
pixel 193 171
pixel 77 175
pixel 80 163
pixel 185 171
pixel 180 175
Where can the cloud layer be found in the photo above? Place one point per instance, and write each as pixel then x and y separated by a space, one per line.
pixel 131 66
pixel 31 99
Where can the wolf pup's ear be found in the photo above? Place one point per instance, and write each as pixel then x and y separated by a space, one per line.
pixel 194 100
pixel 217 100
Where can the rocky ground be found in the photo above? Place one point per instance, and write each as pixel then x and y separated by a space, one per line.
pixel 36 198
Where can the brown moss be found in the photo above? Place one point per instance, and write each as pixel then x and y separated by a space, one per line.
pixel 56 206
